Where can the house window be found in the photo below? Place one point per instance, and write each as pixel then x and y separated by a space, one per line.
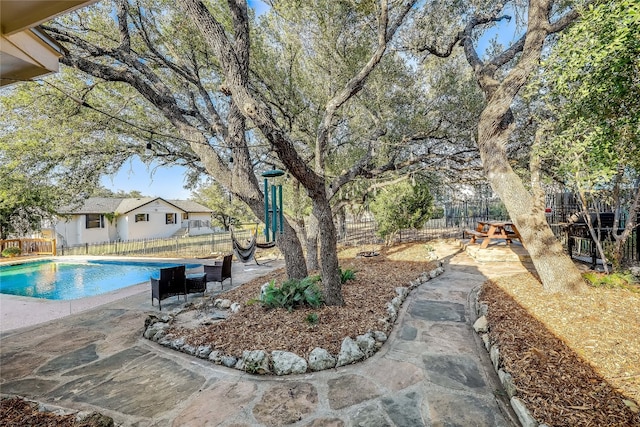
pixel 94 220
pixel 142 217
pixel 185 216
pixel 171 218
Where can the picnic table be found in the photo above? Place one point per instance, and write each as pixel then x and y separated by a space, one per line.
pixel 494 230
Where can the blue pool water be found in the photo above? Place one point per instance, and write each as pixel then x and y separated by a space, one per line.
pixel 67 280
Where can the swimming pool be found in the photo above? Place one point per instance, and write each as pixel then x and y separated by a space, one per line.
pixel 68 280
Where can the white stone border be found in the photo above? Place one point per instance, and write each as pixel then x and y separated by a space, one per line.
pixel 282 362
pixel 481 326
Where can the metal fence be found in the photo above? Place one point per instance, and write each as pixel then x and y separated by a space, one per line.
pixel 456 217
pixel 560 207
pixel 449 222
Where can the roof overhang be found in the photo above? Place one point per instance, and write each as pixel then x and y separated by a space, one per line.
pixel 25 50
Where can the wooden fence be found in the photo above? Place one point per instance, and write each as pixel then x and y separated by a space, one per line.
pixel 31 246
pixel 184 247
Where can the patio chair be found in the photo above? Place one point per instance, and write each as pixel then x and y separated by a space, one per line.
pixel 220 271
pixel 172 282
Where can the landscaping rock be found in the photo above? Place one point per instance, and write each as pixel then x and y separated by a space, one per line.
pixel 228 361
pixel 367 344
pixel 507 382
pixel 154 328
pixel 189 349
pixel 255 362
pixel 396 302
pixel 235 307
pixel 155 318
pixel 215 356
pixel 285 363
pixel 349 352
pixel 379 336
pixel 436 272
pixel 485 340
pixel 320 359
pixel 494 354
pixel 402 292
pixel 525 417
pixel 96 419
pixel 225 303
pixel 177 343
pixel 392 311
pixel 203 351
pixel 481 325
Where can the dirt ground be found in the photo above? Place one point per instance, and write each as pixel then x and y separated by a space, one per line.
pixel 574 358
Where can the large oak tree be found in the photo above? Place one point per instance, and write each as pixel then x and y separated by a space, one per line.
pixel 501 77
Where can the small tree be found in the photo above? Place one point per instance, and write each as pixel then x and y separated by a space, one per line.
pixel 593 97
pixel 402 205
pixel 24 203
pixel 228 210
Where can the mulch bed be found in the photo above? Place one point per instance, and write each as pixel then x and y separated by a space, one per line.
pixel 17 412
pixel 556 384
pixel 256 328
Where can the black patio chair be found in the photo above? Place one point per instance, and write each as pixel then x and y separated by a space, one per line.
pixel 172 282
pixel 220 271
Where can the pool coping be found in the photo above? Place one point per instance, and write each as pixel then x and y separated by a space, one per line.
pixel 20 311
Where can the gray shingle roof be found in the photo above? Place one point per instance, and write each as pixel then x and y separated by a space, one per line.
pixel 190 206
pixel 93 205
pixel 123 206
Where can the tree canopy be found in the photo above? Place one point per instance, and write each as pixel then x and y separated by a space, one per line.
pixel 591 101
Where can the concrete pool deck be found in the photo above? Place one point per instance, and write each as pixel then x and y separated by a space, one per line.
pixel 19 311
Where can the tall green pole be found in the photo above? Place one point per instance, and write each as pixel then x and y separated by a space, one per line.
pixel 266 210
pixel 274 209
pixel 280 209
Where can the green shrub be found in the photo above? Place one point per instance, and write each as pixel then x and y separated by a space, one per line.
pixel 293 293
pixel 401 206
pixel 346 275
pixel 11 251
pixel 312 318
pixel 613 280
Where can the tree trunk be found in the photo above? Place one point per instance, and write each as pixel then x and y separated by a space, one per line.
pixel 557 271
pixel 312 243
pixel 291 249
pixel 329 266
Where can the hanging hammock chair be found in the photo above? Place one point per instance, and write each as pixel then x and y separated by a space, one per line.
pixel 244 253
pixel 248 252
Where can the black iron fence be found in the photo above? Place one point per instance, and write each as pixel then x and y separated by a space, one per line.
pixel 563 215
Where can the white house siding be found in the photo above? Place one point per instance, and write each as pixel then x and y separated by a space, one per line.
pixel 123 227
pixel 74 231
pixel 156 226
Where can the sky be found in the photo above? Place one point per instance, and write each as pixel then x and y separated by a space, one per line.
pixel 168 182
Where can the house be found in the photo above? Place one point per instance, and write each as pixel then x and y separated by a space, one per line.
pixel 26 51
pixel 102 219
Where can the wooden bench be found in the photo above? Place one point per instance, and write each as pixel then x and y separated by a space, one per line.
pixel 475 235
